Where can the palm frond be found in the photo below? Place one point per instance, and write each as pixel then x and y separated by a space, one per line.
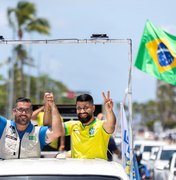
pixel 40 25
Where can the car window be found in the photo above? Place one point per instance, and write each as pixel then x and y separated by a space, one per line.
pixel 147 148
pixel 61 177
pixel 166 154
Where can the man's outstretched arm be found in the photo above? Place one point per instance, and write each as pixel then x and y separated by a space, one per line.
pixel 56 129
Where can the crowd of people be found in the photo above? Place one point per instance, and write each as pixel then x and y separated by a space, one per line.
pixel 90 135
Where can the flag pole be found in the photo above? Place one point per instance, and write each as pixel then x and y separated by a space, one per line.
pixel 130 106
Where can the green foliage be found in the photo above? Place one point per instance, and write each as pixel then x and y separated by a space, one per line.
pixel 38 86
pixel 164 109
pixel 21 52
pixel 1 78
pixel 42 84
pixel 166 102
pixel 169 124
pixel 146 111
pixel 3 99
pixel 39 25
pixel 150 124
pixel 26 20
pixel 23 19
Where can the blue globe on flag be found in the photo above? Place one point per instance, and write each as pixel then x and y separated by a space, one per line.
pixel 165 58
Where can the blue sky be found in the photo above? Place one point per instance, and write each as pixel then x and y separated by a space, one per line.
pixel 93 67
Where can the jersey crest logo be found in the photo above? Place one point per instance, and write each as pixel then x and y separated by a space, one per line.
pixel 91 132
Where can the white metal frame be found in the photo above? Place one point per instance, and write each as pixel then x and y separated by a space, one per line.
pixel 93 41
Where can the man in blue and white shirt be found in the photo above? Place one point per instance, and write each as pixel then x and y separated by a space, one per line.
pixel 19 138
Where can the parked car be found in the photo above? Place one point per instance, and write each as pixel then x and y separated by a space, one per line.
pixel 61 169
pixel 162 161
pixel 172 168
pixel 145 147
pixel 152 159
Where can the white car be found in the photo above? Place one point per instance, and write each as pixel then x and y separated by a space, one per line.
pixel 163 158
pixel 145 147
pixel 61 169
pixel 172 168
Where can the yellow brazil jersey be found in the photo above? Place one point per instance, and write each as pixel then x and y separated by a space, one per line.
pixel 53 144
pixel 40 118
pixel 87 141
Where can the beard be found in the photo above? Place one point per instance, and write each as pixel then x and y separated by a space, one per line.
pixel 84 119
pixel 22 120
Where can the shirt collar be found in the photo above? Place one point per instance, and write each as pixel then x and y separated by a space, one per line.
pixel 90 123
pixel 28 129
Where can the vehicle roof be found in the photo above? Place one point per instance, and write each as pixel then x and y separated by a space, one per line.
pixel 53 166
pixel 169 147
pixel 150 142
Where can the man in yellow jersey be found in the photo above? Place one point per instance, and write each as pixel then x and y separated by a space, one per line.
pixel 89 136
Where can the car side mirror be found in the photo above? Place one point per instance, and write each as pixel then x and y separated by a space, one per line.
pixel 153 157
pixel 166 167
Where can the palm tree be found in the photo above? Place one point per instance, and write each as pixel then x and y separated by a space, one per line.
pixel 23 19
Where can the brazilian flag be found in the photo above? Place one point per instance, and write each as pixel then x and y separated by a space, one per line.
pixel 157 54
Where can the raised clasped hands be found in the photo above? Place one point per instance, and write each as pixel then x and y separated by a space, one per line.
pixel 108 103
pixel 49 99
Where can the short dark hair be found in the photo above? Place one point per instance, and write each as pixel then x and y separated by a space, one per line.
pixel 23 99
pixel 85 97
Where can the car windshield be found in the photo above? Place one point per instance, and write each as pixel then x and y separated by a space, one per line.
pixel 60 177
pixel 167 154
pixel 148 148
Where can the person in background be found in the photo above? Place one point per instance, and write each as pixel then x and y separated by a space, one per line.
pixel 38 115
pixel 112 147
pixel 19 138
pixel 89 136
pixel 143 170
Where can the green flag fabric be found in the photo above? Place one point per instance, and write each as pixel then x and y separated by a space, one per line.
pixel 157 54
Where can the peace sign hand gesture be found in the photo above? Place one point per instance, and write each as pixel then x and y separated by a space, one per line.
pixel 108 104
pixel 110 122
